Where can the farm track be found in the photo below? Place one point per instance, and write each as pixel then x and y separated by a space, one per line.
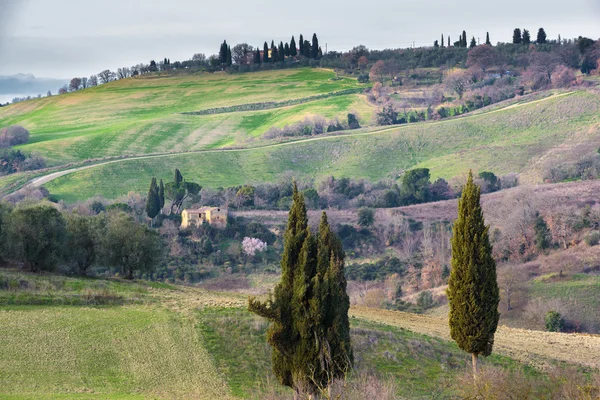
pixel 41 180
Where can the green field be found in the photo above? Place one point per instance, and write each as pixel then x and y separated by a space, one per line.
pixel 142 115
pixel 505 140
pixel 174 342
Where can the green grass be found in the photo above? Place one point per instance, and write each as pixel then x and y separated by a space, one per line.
pixel 502 141
pixel 142 115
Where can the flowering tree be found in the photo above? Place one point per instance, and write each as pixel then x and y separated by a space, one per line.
pixel 251 246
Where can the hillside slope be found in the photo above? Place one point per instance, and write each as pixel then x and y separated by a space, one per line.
pixel 513 139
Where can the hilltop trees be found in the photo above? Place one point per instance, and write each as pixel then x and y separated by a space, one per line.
pixel 526 37
pixel 473 293
pixel 310 332
pixel 541 36
pixel 517 38
pixel 293 48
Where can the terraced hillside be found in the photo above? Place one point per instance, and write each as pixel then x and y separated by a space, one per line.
pixel 92 338
pixel 144 114
pixel 516 138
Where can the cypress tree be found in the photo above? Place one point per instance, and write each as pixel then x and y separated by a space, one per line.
pixel 286 50
pixel 473 42
pixel 442 42
pixel 315 47
pixel 161 194
pixel 257 56
pixel 178 178
pixel 448 40
pixel 541 36
pixel 464 39
pixel 306 51
pixel 153 201
pixel 281 51
pixel 436 44
pixel 228 61
pixel 517 38
pixel 310 332
pixel 301 43
pixel 293 49
pixel 265 53
pixel 473 294
pixel 526 37
pixel 487 38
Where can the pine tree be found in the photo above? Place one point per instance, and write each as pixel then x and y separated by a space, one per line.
pixel 265 53
pixel 473 294
pixel 473 42
pixel 517 38
pixel 315 47
pixel 153 200
pixel 301 43
pixel 293 49
pixel 161 194
pixel 541 36
pixel 526 37
pixel 487 38
pixel 310 331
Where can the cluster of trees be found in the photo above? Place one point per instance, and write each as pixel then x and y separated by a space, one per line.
pixel 12 160
pixel 525 37
pixel 177 191
pixel 42 238
pixel 314 126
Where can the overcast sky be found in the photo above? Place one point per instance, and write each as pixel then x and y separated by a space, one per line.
pixel 66 38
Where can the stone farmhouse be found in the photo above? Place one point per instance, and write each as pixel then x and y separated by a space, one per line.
pixel 215 216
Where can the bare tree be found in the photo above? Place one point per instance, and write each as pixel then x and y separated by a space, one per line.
pixel 458 80
pixel 93 81
pixel 511 280
pixel 75 84
pixel 241 54
pixel 123 73
pixel 484 57
pixel 106 76
pixel 199 58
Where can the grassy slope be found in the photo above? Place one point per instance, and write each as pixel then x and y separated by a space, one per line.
pixel 139 116
pixel 506 140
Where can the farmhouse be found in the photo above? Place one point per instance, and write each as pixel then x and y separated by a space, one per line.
pixel 214 216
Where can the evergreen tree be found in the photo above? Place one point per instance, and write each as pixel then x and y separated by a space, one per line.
pixel 442 42
pixel 281 52
pixel 310 331
pixel 315 47
pixel 301 43
pixel 542 233
pixel 487 38
pixel 228 61
pixel 257 56
pixel 464 39
pixel 265 53
pixel 153 200
pixel 286 50
pixel 223 53
pixel 541 36
pixel 274 55
pixel 293 49
pixel 448 40
pixel 526 37
pixel 436 44
pixel 473 294
pixel 473 42
pixel 517 38
pixel 161 194
pixel 178 177
pixel 306 49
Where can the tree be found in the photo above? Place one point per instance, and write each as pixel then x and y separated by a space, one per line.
pixel 473 293
pixel 415 186
pixel 153 200
pixel 315 47
pixel 265 53
pixel 199 58
pixel 541 36
pixel 130 246
pixel 301 43
pixel 366 217
pixel 308 310
pixel 307 52
pixel 457 79
pixel 240 53
pixel 378 71
pixel 463 42
pixel 84 82
pixel 387 115
pixel 526 37
pixel 511 280
pixel 484 57
pixel 436 44
pixel 543 235
pixel 442 41
pixel 37 236
pixel 517 38
pixel 93 81
pixel 179 190
pixel 281 52
pixel 286 50
pixel 492 183
pixel 228 61
pixel 293 49
pixel 353 121
pixel 473 43
pixel 487 38
pixel 63 90
pixel 161 195
pixel 257 56
pixel 106 76
pixel 83 238
pixel 75 84
pixel 223 53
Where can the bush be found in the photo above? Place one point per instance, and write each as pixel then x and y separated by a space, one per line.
pixel 366 217
pixel 554 322
pixel 363 78
pixel 592 238
pixel 425 300
pixel 13 135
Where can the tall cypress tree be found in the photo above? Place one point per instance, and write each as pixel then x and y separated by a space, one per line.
pixel 228 61
pixel 310 331
pixel 301 44
pixel 257 56
pixel 281 52
pixel 442 42
pixel 265 53
pixel 541 36
pixel 314 47
pixel 517 38
pixel 473 42
pixel 293 49
pixel 286 50
pixel 448 40
pixel 178 178
pixel 464 39
pixel 161 194
pixel 487 38
pixel 153 200
pixel 473 294
pixel 306 51
pixel 526 37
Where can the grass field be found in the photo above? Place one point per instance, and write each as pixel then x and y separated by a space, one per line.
pixel 507 140
pixel 142 115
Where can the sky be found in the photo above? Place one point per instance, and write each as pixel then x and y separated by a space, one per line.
pixel 61 39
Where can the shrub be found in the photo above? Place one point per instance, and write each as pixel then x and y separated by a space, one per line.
pixel 554 322
pixel 592 238
pixel 363 78
pixel 366 217
pixel 387 115
pixel 425 300
pixel 13 135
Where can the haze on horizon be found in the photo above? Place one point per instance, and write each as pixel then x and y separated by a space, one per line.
pixel 65 38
